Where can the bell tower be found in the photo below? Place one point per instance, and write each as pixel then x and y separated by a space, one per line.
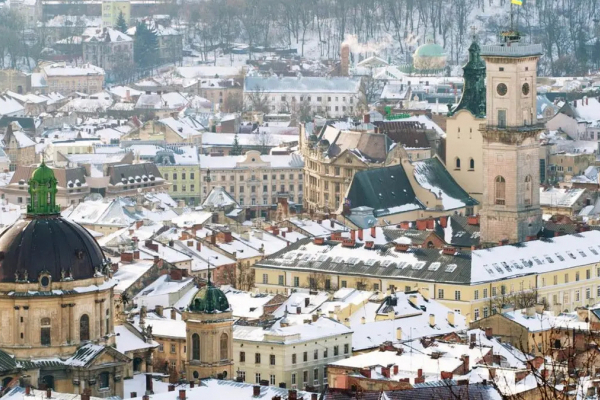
pixel 511 177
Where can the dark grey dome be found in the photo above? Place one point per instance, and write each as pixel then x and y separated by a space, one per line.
pixel 48 244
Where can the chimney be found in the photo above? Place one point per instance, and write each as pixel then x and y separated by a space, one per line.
pixel 256 390
pixel 443 222
pixel 449 250
pixel 366 118
pixel 173 313
pixel 159 310
pixel 349 242
pixel 451 318
pixel 213 239
pixel 127 256
pixel 539 308
pixel 176 274
pixel 399 333
pixel 353 234
pixel 473 220
pixel 360 235
pixel 315 317
pixel 465 358
pixel 145 397
pixel 292 395
pixel 420 373
pixel 473 338
pixel 413 300
pixel 345 60
pixel 27 390
pixel 228 237
pixel 306 301
pixel 421 224
pixel 171 388
pixel 530 312
pixel 385 371
pixel 489 333
pixel 198 246
pixel 181 394
pixel 331 223
pixel 133 395
pixel 432 320
pixel 149 383
pixel 373 231
pixel 49 393
pixel 319 241
pixel 136 254
pixel 192 383
pixel 366 372
pixel 369 244
pixel 402 247
pixel 404 225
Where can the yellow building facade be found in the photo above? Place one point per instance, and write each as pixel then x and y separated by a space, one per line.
pixel 111 10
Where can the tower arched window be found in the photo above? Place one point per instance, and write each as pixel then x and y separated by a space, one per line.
pixel 457 163
pixel 528 190
pixel 45 332
pixel 471 164
pixel 84 327
pixel 500 190
pixel 224 346
pixel 195 346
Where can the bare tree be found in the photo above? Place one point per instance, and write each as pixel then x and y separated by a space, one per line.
pixel 257 100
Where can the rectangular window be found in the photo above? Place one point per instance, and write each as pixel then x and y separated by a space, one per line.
pixel 305 376
pixel 257 358
pixel 257 378
pixel 493 291
pixel 485 312
pixel 296 281
pixel 265 278
pixel 440 293
pixel 316 374
pixel 566 278
pixel 457 295
pixel 242 356
pixel 588 293
pixel 183 175
pixel 476 294
pixel 272 379
pixel 588 274
pixel 576 276
pixel 577 295
pixel 281 280
pixel 325 353
pixel 294 358
pixel 272 359
pixel 485 293
pixel 172 348
pixel 346 348
pixel 161 347
pixel 336 351
pixel 192 175
pixel 305 356
pixel 476 314
pixel 293 379
pixel 556 279
pixel 344 284
pixel 316 355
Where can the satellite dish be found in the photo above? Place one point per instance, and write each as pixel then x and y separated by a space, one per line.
pixel 139 190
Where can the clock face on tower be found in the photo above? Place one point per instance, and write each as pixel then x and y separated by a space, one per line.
pixel 501 89
pixel 525 88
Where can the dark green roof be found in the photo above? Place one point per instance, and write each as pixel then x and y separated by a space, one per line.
pixel 386 190
pixel 473 97
pixel 209 300
pixel 430 50
pixel 7 362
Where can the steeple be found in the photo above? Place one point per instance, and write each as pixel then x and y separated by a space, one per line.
pixel 42 192
pixel 473 97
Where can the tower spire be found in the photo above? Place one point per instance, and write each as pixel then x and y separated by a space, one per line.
pixel 42 192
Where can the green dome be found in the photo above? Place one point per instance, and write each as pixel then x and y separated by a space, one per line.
pixel 209 300
pixel 43 173
pixel 430 50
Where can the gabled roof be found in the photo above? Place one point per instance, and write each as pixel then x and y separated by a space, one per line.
pixel 410 134
pixel 387 190
pixel 86 354
pixel 433 176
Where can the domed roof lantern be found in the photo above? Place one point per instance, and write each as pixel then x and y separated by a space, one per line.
pixel 209 300
pixel 42 192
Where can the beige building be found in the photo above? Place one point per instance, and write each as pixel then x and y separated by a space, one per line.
pixel 57 302
pixel 111 10
pixel 511 172
pixel 331 159
pixel 563 166
pixel 254 180
pixel 19 147
pixel 66 79
pixel 228 93
pixel 209 334
pixel 292 352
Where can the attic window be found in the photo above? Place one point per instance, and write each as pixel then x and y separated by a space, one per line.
pixel 560 258
pixel 550 260
pixel 450 267
pixel 386 263
pixel 434 266
pixel 419 265
pixel 402 265
pixel 593 251
pixel 370 261
pixel 537 260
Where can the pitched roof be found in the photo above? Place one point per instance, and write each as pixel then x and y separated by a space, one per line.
pixel 410 134
pixel 433 176
pixel 387 190
pixel 119 172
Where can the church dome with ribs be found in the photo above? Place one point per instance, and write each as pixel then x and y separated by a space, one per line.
pixel 45 244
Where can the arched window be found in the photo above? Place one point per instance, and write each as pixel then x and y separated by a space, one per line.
pixel 457 163
pixel 195 346
pixel 84 327
pixel 528 190
pixel 224 346
pixel 45 332
pixel 471 164
pixel 500 191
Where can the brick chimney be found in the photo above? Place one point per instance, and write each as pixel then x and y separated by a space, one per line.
pixel 256 390
pixel 173 313
pixel 292 395
pixel 127 256
pixel 176 274
pixel 159 310
pixel 360 235
pixel 49 393
pixel 443 222
pixel 181 394
pixel 345 59
pixel 228 238
pixel 373 231
pixel 449 250
pixel 489 333
pixel 402 247
pixel 198 246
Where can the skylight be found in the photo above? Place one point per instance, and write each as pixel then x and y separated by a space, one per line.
pixel 322 258
pixel 594 252
pixel 571 255
pixel 550 260
pixel 450 267
pixel 338 260
pixel 582 253
pixel 434 266
pixel 560 258
pixel 402 265
pixel 419 265
pixel 353 260
pixel 386 263
pixel 370 261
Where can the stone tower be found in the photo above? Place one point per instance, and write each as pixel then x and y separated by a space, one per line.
pixel 209 335
pixel 511 202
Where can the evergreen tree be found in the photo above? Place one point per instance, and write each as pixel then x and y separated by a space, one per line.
pixel 121 23
pixel 237 149
pixel 145 46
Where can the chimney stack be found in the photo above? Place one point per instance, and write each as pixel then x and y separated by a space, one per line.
pixel 345 61
pixel 49 393
pixel 173 313
pixel 432 320
pixel 489 332
pixel 181 394
pixel 398 333
pixel 256 390
pixel 451 318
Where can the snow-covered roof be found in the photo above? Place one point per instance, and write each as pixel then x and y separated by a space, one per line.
pixel 128 274
pixel 218 197
pixel 10 106
pixel 121 91
pixel 127 340
pixel 295 333
pixel 209 71
pixel 163 326
pixel 105 34
pixel 293 160
pixel 62 69
pixel 309 84
pixel 247 305
pixel 556 197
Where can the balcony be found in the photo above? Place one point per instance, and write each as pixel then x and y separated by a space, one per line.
pixel 522 128
pixel 514 49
